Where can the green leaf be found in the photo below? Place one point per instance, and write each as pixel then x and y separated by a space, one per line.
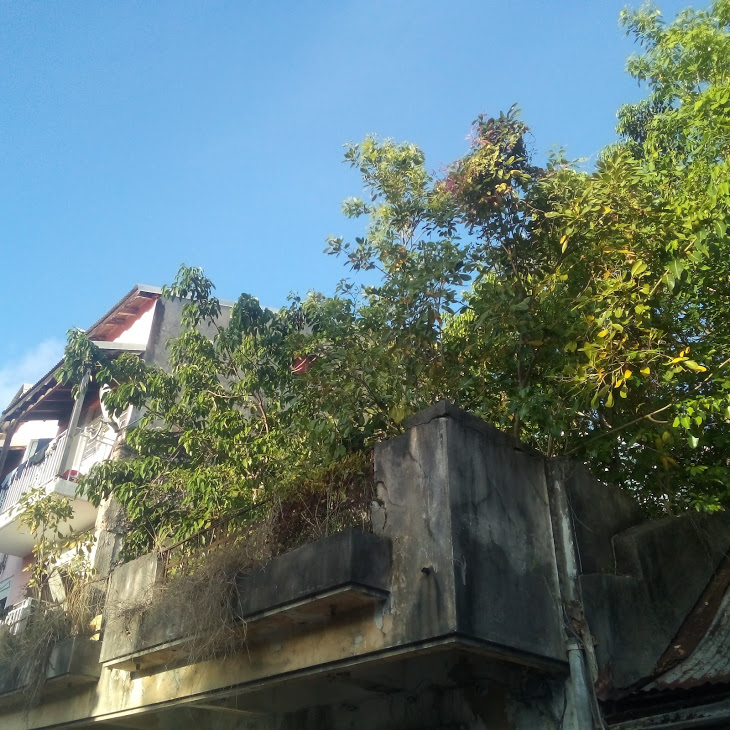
pixel 639 267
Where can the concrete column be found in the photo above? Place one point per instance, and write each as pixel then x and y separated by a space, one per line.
pixel 73 423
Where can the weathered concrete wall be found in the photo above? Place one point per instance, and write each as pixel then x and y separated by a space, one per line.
pixel 131 586
pixel 462 621
pixel 662 568
pixel 72 663
pixel 462 627
pixel 637 579
pixel 166 325
pixel 109 535
pixel 598 513
pixel 466 512
pixel 350 559
pixel 466 508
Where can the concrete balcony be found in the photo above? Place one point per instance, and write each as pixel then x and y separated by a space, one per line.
pixel 343 575
pixel 72 663
pixel 57 476
pixel 460 561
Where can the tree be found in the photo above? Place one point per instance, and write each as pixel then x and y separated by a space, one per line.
pixel 57 554
pixel 584 311
pixel 594 327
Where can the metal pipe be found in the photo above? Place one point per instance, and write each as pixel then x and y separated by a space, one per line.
pixel 579 680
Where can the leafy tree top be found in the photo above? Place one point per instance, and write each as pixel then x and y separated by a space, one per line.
pixel 583 311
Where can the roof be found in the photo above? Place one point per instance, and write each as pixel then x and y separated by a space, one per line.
pixel 700 652
pixel 48 399
pixel 709 663
pixel 137 301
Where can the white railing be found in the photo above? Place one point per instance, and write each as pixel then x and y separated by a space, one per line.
pixel 26 475
pixel 90 446
pixel 16 618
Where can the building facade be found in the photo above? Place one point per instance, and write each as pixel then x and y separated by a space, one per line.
pixel 51 437
pixel 494 589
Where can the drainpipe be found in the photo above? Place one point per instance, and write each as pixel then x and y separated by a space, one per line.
pixel 579 643
pixel 580 683
pixel 73 423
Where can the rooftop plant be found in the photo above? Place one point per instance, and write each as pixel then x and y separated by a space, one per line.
pixel 583 310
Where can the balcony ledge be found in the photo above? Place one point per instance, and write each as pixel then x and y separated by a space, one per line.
pixel 15 539
pixel 73 662
pixel 342 574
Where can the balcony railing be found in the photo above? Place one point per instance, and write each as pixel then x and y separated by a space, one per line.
pixel 28 475
pixel 89 448
pixel 16 618
pixel 88 603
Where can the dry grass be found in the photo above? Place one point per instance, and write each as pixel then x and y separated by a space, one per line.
pixel 25 650
pixel 197 595
pixel 24 655
pixel 337 498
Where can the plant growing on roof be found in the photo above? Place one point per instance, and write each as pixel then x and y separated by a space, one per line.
pixel 582 310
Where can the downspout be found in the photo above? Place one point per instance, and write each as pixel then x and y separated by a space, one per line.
pixel 580 683
pixel 579 642
pixel 73 423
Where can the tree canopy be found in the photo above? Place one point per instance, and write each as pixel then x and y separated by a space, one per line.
pixel 582 310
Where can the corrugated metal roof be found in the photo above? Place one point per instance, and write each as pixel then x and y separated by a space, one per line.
pixel 708 664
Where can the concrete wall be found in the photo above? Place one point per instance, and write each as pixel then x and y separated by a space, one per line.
pixel 661 569
pixel 166 325
pixel 156 327
pixel 467 511
pixel 461 623
pixel 457 624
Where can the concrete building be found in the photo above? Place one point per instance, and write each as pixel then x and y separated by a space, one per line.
pixel 50 437
pixel 496 589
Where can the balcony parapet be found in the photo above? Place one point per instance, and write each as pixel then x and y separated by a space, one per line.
pixel 73 662
pixel 343 574
pixel 56 476
pixel 471 565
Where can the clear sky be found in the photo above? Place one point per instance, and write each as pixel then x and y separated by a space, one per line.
pixel 135 136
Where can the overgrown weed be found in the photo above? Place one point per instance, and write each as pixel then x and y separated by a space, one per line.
pixel 197 593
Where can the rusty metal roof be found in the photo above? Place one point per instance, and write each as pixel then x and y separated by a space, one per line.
pixel 709 662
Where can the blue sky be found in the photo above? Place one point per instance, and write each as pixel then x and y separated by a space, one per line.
pixel 138 135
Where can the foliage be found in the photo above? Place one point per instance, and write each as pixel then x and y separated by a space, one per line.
pixel 58 556
pixel 64 600
pixel 24 655
pixel 229 430
pixel 197 591
pixel 26 649
pixel 583 311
